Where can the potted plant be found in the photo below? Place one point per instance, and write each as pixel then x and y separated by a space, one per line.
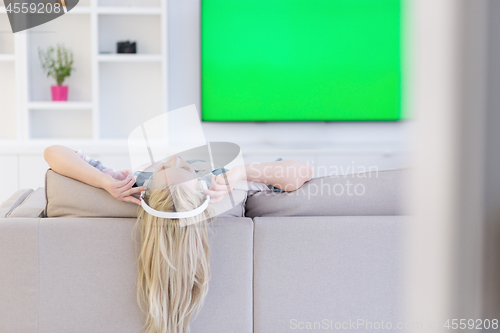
pixel 57 63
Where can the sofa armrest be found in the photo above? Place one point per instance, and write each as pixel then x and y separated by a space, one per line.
pixel 14 201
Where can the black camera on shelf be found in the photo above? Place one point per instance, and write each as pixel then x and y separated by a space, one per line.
pixel 126 47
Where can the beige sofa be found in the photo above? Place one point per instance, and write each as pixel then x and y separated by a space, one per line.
pixel 280 262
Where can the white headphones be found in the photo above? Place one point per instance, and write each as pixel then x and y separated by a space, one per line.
pixel 175 215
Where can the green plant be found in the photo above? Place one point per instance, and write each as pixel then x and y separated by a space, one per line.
pixel 57 63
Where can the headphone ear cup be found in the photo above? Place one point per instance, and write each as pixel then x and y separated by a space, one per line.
pixel 203 185
pixel 147 183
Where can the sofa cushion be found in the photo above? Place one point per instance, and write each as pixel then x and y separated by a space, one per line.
pixel 67 197
pixel 33 206
pixel 13 201
pixel 362 194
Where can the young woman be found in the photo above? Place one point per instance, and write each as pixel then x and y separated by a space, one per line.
pixel 174 259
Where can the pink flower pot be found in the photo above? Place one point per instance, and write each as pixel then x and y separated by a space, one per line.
pixel 59 93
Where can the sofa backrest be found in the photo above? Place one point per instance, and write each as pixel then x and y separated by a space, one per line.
pixel 378 193
pixel 67 197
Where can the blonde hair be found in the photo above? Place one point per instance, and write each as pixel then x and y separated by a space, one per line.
pixel 174 260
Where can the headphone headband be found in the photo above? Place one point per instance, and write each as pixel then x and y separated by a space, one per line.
pixel 176 215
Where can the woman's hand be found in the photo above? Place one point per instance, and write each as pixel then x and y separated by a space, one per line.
pixel 220 188
pixel 122 190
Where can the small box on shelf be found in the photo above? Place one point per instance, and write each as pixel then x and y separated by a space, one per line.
pixel 126 47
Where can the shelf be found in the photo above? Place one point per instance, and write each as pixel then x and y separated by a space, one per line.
pixel 80 10
pixel 7 57
pixel 60 105
pixel 129 57
pixel 129 10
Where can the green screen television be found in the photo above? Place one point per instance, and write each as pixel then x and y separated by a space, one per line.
pixel 300 60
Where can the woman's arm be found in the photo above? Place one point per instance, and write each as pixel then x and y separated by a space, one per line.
pixel 66 162
pixel 286 175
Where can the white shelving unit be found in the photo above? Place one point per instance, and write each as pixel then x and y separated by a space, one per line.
pixel 109 93
pixel 7 57
pixel 129 58
pixel 130 10
pixel 60 106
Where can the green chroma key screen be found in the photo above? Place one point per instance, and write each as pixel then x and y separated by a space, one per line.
pixel 300 60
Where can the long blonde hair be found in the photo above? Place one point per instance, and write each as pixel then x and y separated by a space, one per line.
pixel 174 260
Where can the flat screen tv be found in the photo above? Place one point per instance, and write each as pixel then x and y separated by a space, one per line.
pixel 300 60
